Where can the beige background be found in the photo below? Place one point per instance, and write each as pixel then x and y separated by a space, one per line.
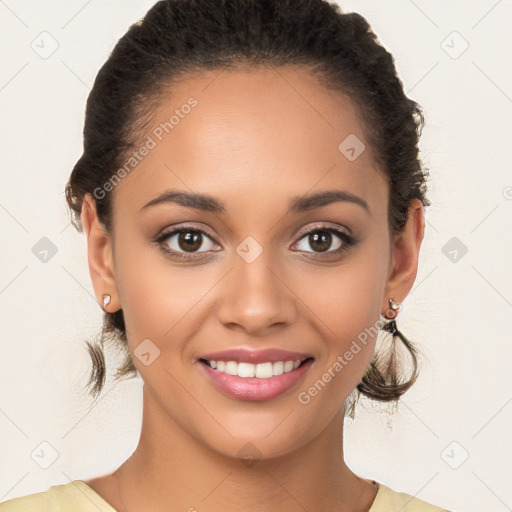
pixel 458 311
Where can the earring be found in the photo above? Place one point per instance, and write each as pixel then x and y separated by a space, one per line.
pixel 106 300
pixel 388 320
pixel 392 313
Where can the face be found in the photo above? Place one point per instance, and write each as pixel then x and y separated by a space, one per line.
pixel 257 265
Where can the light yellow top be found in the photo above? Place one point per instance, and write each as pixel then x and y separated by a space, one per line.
pixel 77 496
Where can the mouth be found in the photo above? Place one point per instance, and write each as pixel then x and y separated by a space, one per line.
pixel 255 376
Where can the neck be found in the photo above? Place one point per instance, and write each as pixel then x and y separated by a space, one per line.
pixel 171 470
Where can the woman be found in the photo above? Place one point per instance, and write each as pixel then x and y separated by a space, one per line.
pixel 252 197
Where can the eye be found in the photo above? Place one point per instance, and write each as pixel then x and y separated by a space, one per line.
pixel 185 241
pixel 321 240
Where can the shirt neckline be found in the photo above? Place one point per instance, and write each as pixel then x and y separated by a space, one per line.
pixel 92 493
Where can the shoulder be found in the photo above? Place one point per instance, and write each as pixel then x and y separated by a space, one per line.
pixel 388 500
pixel 75 496
pixel 37 502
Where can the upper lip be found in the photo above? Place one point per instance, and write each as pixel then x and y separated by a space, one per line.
pixel 243 355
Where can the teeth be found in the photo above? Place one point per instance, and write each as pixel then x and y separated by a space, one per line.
pixel 278 368
pixel 261 370
pixel 231 368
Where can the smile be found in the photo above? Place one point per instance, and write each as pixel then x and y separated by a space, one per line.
pixel 261 371
pixel 255 382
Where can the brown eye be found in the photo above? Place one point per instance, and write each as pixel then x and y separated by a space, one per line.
pixel 320 241
pixel 183 240
pixel 326 239
pixel 190 241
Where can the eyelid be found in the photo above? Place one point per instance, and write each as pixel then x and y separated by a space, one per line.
pixel 326 226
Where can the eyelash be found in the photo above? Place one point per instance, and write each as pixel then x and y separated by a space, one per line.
pixel 348 241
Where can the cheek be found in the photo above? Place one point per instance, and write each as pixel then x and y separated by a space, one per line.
pixel 161 300
pixel 346 299
pixel 346 304
pixel 346 327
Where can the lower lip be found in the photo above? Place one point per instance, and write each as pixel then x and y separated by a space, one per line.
pixel 255 389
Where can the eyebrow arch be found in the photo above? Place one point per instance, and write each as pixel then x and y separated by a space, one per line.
pixel 298 204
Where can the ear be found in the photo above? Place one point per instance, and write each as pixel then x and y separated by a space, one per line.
pixel 100 255
pixel 405 253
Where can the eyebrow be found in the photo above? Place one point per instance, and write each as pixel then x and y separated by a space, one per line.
pixel 297 204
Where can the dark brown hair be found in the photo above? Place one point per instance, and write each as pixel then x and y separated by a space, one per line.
pixel 179 37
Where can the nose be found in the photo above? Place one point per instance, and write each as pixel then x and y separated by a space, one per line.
pixel 256 297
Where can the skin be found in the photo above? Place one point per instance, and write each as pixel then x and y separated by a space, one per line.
pixel 257 138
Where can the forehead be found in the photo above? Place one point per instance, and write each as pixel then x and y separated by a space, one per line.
pixel 239 133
